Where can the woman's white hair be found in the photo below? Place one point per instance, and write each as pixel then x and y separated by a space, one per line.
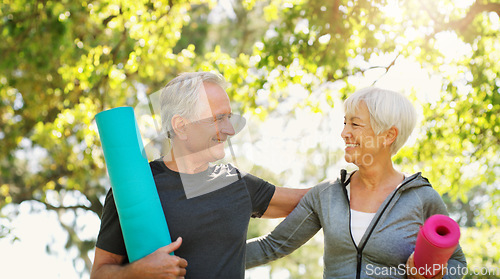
pixel 387 109
pixel 181 97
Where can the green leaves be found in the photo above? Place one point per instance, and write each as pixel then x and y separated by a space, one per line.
pixel 64 61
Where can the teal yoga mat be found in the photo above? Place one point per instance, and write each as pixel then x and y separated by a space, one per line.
pixel 139 209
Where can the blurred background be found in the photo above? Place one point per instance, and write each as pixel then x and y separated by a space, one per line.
pixel 290 64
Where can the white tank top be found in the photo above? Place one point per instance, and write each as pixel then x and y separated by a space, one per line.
pixel 360 220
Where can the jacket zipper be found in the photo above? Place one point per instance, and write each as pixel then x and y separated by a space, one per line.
pixel 359 250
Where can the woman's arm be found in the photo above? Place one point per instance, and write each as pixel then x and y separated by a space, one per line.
pixel 302 224
pixel 456 264
pixel 433 204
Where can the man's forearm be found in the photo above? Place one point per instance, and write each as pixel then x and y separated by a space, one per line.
pixel 174 267
pixel 155 265
pixel 108 271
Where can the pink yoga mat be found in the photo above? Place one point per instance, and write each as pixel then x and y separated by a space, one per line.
pixel 436 242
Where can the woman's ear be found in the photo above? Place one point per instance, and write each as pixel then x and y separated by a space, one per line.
pixel 391 135
pixel 179 127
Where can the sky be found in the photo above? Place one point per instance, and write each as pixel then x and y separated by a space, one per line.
pixel 28 257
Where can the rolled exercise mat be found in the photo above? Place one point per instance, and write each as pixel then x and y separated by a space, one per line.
pixel 436 242
pixel 139 209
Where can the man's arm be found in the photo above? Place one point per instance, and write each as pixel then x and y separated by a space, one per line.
pixel 159 264
pixel 283 202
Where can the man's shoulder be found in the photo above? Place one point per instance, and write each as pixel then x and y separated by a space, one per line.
pixel 157 166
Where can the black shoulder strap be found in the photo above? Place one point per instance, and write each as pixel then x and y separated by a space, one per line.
pixel 343 175
pixel 238 172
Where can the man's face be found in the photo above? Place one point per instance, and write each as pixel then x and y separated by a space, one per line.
pixel 206 135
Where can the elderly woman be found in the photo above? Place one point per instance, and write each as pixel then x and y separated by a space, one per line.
pixel 370 217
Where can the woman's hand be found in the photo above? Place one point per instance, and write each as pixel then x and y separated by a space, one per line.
pixel 412 270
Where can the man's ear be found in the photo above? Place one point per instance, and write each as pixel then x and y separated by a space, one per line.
pixel 179 126
pixel 391 135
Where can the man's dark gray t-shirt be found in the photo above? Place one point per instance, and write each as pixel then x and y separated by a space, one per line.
pixel 213 223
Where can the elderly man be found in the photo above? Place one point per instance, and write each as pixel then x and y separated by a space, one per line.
pixel 209 206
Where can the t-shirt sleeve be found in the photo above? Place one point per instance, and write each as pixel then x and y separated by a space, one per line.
pixel 261 193
pixel 110 236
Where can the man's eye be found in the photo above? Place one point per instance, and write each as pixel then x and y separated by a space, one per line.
pixel 222 117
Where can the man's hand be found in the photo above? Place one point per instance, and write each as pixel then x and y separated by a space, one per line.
pixel 159 264
pixel 412 271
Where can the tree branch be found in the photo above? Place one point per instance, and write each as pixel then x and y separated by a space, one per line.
pixel 387 69
pixel 107 20
pixel 74 239
pixel 58 208
pixel 461 24
pixel 474 10
pixel 362 71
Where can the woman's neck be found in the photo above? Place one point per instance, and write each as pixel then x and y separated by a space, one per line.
pixel 373 176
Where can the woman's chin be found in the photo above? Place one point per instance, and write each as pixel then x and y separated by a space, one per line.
pixel 349 158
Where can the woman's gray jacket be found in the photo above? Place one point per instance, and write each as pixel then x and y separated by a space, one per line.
pixel 386 245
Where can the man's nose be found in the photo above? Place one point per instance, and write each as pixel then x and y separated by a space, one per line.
pixel 227 127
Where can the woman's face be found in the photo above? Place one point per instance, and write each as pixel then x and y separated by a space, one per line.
pixel 362 145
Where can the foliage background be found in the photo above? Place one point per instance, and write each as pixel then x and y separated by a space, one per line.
pixel 287 61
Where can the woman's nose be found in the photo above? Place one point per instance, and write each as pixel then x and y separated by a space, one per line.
pixel 345 132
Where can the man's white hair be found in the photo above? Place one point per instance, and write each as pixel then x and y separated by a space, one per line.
pixel 181 97
pixel 387 109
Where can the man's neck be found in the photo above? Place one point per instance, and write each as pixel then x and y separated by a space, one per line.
pixel 183 164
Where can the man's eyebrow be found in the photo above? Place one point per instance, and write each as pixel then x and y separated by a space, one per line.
pixel 222 115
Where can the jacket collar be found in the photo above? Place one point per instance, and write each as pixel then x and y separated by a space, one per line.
pixel 412 181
